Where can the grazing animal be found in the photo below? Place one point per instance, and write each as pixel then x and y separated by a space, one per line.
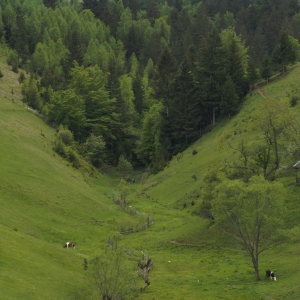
pixel 270 274
pixel 69 245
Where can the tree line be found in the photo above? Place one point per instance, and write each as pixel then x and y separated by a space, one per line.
pixel 144 79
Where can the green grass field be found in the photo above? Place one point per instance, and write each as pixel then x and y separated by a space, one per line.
pixel 44 202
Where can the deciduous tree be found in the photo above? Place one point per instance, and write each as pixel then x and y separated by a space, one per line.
pixel 250 212
pixel 68 109
pixel 111 274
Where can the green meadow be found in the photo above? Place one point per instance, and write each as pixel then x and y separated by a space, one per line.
pixel 45 202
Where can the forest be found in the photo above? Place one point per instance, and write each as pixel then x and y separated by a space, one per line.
pixel 143 79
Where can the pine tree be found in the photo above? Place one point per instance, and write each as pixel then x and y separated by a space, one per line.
pixel 153 11
pixel 284 53
pixel 200 27
pixel 212 73
pixel 164 76
pixel 133 5
pixel 20 35
pixel 75 49
pixel 229 98
pixel 265 71
pixel 139 94
pixel 50 3
pixel 252 74
pixel 235 69
pixel 185 111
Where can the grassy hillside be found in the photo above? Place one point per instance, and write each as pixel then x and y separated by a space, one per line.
pixel 45 202
pixel 201 251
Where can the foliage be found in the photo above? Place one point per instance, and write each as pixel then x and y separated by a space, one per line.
pixel 251 211
pixel 111 274
pixel 31 95
pixel 94 148
pixel 123 57
pixel 285 52
pixel 21 77
pixel 272 125
pixel 124 167
pixel 43 181
pixel 65 135
pixel 68 109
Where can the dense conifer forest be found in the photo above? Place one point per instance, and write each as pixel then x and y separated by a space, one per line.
pixel 143 78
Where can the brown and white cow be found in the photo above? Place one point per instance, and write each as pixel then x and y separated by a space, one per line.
pixel 69 245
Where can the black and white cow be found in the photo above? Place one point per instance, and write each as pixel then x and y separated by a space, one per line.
pixel 69 245
pixel 270 274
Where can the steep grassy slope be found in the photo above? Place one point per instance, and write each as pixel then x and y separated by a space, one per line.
pixel 44 202
pixel 198 249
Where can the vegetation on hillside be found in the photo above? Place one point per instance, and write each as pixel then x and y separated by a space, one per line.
pixel 134 84
pixel 145 77
pixel 45 203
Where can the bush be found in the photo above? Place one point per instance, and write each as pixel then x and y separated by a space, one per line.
pixel 73 157
pixel 66 136
pixel 194 152
pixel 60 148
pixel 293 101
pixel 124 166
pixel 21 77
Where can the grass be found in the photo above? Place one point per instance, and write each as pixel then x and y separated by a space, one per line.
pixel 44 202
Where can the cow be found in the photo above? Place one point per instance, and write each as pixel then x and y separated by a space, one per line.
pixel 69 245
pixel 270 274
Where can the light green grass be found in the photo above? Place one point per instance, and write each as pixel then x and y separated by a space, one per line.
pixel 44 202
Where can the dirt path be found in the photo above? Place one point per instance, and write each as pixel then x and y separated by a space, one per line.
pixel 260 91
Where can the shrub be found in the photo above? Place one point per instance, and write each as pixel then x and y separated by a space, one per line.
pixel 124 166
pixel 293 101
pixel 194 152
pixel 21 77
pixel 60 148
pixel 66 136
pixel 74 158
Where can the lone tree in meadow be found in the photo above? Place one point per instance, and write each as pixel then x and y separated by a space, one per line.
pixel 111 274
pixel 250 212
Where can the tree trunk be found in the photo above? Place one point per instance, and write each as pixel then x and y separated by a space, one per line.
pixel 255 266
pixel 146 267
pixel 214 116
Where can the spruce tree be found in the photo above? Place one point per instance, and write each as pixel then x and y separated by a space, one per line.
pixel 212 73
pixel 50 3
pixel 163 85
pixel 229 98
pixel 235 69
pixel 152 11
pixel 185 111
pixel 20 35
pixel 284 53
pixel 252 74
pixel 164 76
pixel 139 94
pixel 75 49
pixel 265 71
